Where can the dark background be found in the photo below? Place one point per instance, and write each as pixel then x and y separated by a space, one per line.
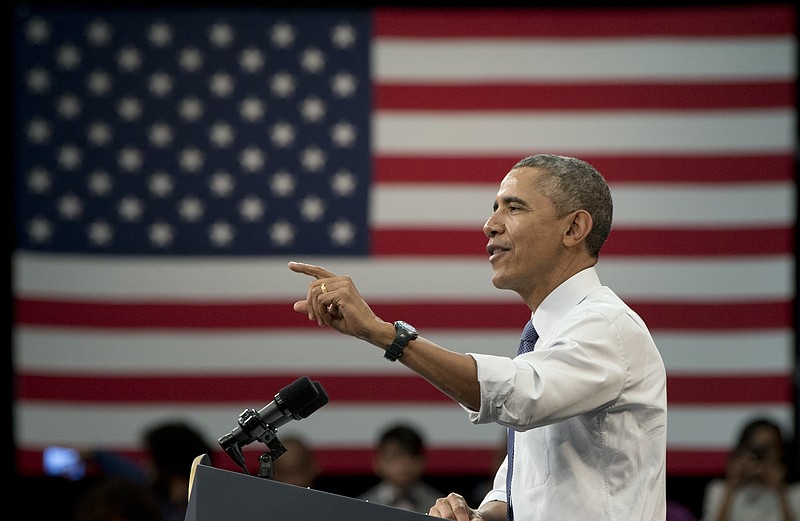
pixel 54 498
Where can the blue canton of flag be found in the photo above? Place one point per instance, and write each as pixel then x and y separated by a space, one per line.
pixel 230 132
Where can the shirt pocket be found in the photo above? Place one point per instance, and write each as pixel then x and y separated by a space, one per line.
pixel 534 457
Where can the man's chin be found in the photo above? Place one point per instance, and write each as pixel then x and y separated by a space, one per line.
pixel 499 282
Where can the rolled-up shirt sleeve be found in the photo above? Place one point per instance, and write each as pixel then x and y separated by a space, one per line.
pixel 496 377
pixel 575 370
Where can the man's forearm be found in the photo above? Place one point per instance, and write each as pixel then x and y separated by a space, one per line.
pixel 455 374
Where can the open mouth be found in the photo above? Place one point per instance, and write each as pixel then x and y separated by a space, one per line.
pixel 495 250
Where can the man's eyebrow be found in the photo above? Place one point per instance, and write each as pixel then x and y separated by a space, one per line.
pixel 510 199
pixel 514 199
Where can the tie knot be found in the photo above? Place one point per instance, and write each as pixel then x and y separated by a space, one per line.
pixel 528 339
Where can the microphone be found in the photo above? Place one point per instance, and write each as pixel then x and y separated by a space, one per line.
pixel 296 401
pixel 290 403
pixel 308 410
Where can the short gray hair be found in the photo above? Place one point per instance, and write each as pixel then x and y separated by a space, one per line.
pixel 574 184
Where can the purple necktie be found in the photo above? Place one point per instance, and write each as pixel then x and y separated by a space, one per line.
pixel 526 343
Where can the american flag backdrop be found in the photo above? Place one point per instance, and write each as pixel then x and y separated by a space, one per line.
pixel 168 164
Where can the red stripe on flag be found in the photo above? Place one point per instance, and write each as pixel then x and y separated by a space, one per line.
pixel 442 461
pixel 446 461
pixel 695 390
pixel 201 388
pixel 696 462
pixel 583 97
pixel 639 169
pixel 200 316
pixel 714 315
pixel 730 389
pixel 429 242
pixel 654 242
pixel 578 23
pixel 681 242
pixel 331 460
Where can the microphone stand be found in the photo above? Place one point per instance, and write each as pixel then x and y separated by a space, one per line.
pixel 256 429
pixel 266 462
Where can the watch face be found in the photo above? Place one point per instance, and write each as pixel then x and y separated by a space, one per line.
pixel 408 327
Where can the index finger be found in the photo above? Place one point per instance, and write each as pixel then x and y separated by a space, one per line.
pixel 317 272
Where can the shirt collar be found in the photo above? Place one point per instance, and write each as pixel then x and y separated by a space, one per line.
pixel 563 298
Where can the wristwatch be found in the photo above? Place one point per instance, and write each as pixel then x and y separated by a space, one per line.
pixel 403 334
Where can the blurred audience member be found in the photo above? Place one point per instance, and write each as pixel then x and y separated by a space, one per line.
pixel 116 498
pixel 400 463
pixel 298 465
pixel 170 450
pixel 755 486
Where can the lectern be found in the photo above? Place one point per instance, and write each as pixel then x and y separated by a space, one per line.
pixel 223 495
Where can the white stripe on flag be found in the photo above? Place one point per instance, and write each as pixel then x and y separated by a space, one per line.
pixel 464 61
pixel 735 132
pixel 282 351
pixel 443 424
pixel 657 205
pixel 424 279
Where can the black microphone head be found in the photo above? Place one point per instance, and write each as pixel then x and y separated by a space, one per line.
pixel 319 401
pixel 297 395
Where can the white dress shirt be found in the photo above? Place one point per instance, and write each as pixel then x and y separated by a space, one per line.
pixel 589 405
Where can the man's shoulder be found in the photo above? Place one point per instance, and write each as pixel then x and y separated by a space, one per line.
pixel 605 300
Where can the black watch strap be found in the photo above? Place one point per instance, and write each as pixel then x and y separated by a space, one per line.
pixel 403 334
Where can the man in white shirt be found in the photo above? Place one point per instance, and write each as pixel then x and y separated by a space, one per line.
pixel 586 407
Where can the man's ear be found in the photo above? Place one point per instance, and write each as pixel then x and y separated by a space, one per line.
pixel 579 227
